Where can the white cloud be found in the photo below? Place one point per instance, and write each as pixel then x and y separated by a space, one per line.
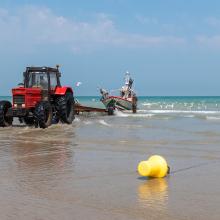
pixel 213 22
pixel 32 26
pixel 212 41
pixel 146 20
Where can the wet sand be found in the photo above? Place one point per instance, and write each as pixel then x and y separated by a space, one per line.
pixel 88 170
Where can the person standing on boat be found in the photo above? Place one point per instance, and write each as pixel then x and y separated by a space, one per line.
pixel 126 91
pixel 104 94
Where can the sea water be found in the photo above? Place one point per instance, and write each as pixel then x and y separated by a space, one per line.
pixel 87 170
pixel 189 106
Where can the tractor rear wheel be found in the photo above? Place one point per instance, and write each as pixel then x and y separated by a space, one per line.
pixel 65 108
pixel 43 114
pixel 5 121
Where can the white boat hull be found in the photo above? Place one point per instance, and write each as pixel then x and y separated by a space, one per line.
pixel 117 102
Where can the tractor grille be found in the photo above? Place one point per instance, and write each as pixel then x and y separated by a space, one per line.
pixel 19 99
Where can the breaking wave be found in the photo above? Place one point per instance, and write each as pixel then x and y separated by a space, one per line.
pixel 212 118
pixel 181 111
pixel 103 122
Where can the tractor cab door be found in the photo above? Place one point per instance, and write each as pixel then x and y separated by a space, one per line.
pixel 54 82
pixel 44 83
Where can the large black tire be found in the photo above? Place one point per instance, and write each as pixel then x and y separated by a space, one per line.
pixel 4 120
pixel 110 110
pixel 65 108
pixel 43 114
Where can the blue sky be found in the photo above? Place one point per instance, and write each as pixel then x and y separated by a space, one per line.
pixel 171 47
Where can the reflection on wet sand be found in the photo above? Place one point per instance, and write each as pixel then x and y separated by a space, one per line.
pixel 42 162
pixel 153 193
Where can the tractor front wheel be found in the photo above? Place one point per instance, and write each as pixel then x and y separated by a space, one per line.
pixel 5 121
pixel 65 108
pixel 43 114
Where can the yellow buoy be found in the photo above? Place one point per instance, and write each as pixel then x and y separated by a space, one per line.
pixel 155 166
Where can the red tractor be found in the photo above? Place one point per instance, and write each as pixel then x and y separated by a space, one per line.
pixel 39 100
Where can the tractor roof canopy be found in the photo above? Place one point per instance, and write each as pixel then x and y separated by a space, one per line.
pixel 41 69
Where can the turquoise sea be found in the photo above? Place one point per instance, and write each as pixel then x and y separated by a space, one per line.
pixel 160 104
pixel 87 170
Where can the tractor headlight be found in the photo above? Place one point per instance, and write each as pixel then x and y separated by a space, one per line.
pixel 15 105
pixel 23 105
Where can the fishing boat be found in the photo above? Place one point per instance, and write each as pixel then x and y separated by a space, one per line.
pixel 127 100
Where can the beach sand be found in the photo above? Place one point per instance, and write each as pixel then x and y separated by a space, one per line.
pixel 88 170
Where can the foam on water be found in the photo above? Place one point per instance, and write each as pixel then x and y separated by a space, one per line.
pixel 149 103
pixel 87 122
pixel 103 122
pixel 188 116
pixel 162 114
pixel 181 111
pixel 77 119
pixel 212 118
pixel 130 114
pixel 120 114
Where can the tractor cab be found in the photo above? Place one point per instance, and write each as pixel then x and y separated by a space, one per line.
pixel 37 80
pixel 42 77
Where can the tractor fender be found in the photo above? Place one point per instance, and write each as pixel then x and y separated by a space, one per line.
pixel 63 90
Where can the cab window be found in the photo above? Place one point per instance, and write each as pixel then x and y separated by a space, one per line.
pixel 37 80
pixel 53 80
